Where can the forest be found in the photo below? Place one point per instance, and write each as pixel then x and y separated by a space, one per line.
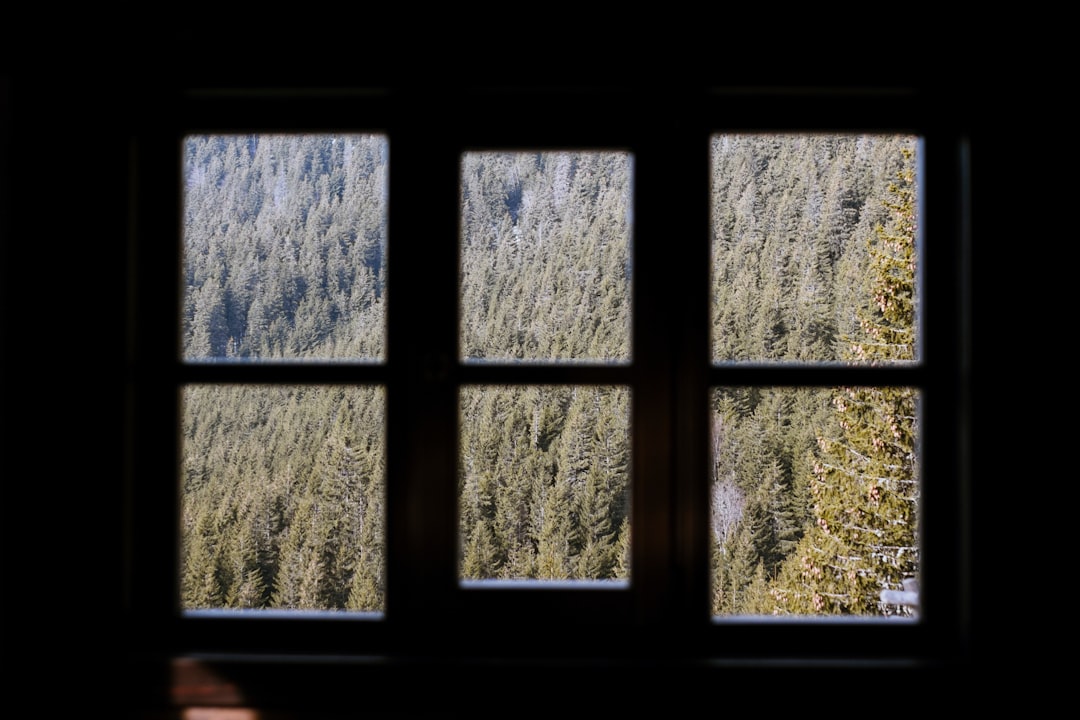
pixel 814 491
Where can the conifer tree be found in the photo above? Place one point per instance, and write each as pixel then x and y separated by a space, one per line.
pixel 865 487
pixel 301 574
pixel 366 591
pixel 558 533
pixel 597 556
pixel 622 550
pixel 209 328
pixel 480 561
pixel 200 584
pixel 247 588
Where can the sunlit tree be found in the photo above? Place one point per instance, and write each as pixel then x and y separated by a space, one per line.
pixel 865 485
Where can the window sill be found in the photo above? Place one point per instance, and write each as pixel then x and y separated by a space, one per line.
pixel 291 685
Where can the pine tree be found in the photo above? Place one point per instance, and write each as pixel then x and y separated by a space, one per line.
pixel 597 555
pixel 200 584
pixel 865 487
pixel 604 498
pixel 209 325
pixel 247 588
pixel 366 591
pixel 557 535
pixel 301 576
pixel 479 561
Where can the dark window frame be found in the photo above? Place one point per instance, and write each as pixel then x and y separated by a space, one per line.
pixel 664 612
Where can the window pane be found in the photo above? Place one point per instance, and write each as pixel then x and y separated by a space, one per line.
pixel 545 251
pixel 814 248
pixel 815 501
pixel 282 495
pixel 284 247
pixel 545 483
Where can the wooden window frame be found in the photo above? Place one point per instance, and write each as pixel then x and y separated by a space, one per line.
pixel 664 613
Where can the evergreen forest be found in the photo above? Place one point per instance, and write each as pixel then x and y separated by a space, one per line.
pixel 814 491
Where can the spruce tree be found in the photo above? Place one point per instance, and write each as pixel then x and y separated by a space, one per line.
pixel 200 584
pixel 865 486
pixel 558 533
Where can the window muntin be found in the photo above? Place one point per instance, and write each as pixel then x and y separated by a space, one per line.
pixel 284 247
pixel 545 256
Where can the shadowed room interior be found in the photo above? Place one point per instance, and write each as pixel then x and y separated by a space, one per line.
pixel 89 210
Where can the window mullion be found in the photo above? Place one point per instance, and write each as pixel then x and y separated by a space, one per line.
pixel 421 399
pixel 684 219
pixel 154 381
pixel 651 522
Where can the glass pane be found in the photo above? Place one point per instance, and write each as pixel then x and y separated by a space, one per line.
pixel 815 501
pixel 545 483
pixel 282 496
pixel 545 250
pixel 284 247
pixel 814 245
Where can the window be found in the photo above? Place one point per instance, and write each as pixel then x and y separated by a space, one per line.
pixel 546 277
pixel 666 379
pixel 815 491
pixel 284 261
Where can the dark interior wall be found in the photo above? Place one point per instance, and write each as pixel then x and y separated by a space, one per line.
pixel 66 138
